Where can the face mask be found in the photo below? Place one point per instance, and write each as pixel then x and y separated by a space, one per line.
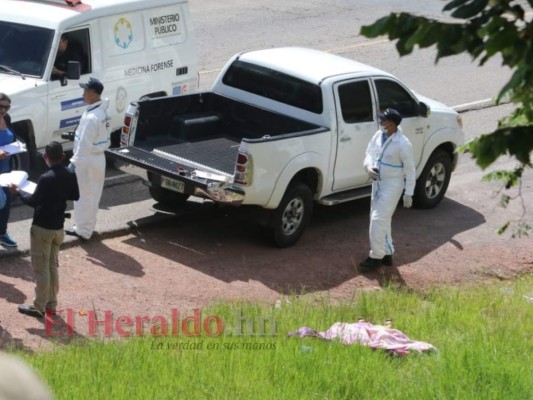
pixel 383 129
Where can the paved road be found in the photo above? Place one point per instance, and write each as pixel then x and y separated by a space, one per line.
pixel 224 28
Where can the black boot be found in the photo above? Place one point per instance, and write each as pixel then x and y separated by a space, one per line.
pixel 387 260
pixel 370 264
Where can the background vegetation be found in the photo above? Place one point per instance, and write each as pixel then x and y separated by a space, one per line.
pixel 483 336
pixel 484 29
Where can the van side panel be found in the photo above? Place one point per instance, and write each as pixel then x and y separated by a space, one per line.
pixel 146 53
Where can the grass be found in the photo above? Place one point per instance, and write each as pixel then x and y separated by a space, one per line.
pixel 484 337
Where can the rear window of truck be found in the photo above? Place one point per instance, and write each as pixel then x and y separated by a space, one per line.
pixel 274 85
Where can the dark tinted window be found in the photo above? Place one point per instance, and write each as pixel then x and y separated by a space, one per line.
pixel 24 48
pixel 392 95
pixel 274 85
pixel 79 41
pixel 356 102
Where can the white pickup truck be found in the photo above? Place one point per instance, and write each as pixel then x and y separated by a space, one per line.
pixel 281 129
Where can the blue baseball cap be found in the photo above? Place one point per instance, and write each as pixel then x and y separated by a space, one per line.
pixel 93 84
pixel 390 114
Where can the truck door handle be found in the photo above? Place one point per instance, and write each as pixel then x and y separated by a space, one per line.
pixel 345 138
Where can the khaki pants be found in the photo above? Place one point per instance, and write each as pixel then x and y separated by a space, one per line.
pixel 44 260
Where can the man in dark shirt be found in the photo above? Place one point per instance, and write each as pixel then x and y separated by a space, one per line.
pixel 66 52
pixel 54 188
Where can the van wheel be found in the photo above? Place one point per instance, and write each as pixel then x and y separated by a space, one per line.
pixel 292 215
pixel 433 182
pixel 20 161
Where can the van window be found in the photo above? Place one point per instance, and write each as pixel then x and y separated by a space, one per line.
pixel 274 85
pixel 393 95
pixel 80 40
pixel 24 48
pixel 73 46
pixel 356 102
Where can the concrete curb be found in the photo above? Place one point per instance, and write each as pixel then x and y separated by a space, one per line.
pixel 478 105
pixel 71 241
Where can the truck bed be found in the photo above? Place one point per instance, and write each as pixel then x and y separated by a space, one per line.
pixel 204 130
pixel 217 154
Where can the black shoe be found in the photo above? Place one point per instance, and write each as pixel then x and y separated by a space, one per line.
pixel 370 264
pixel 72 232
pixel 387 260
pixel 30 310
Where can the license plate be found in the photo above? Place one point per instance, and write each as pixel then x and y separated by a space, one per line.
pixel 172 184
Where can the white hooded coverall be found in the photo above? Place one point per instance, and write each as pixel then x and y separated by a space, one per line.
pixel 91 139
pixel 396 172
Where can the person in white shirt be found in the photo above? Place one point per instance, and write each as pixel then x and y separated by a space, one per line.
pixel 91 140
pixel 389 163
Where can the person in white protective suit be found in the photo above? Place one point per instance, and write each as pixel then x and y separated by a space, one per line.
pixel 91 139
pixel 389 163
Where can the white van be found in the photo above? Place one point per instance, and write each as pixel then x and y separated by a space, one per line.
pixel 137 48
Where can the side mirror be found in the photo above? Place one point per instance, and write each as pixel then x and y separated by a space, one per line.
pixel 73 70
pixel 423 110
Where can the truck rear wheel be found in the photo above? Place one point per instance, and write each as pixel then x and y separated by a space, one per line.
pixel 433 182
pixel 292 215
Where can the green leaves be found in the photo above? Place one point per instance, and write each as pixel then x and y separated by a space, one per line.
pixel 467 9
pixel 490 28
pixel 508 178
pixel 483 29
pixel 380 27
pixel 515 141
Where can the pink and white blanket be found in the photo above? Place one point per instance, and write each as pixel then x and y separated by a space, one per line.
pixel 367 334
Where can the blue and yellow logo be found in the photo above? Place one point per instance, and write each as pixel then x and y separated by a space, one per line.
pixel 123 33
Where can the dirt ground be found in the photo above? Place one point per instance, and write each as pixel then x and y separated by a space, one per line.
pixel 197 260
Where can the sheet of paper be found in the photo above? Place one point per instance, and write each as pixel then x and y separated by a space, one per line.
pixel 28 187
pixel 19 178
pixel 14 148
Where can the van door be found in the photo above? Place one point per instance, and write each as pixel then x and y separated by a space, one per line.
pixel 356 124
pixel 391 94
pixel 65 103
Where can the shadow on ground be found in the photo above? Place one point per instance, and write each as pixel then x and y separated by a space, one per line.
pixel 225 244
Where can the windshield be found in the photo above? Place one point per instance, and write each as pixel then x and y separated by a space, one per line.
pixel 24 48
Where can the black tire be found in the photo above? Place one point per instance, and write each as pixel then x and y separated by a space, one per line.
pixel 432 184
pixel 20 161
pixel 292 215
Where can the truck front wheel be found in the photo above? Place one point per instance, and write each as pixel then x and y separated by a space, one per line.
pixel 433 182
pixel 292 215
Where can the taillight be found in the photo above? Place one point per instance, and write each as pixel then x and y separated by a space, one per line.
pixel 243 170
pixel 126 128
